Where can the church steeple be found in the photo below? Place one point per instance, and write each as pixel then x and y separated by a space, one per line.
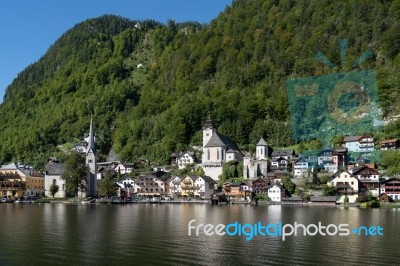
pixel 91 142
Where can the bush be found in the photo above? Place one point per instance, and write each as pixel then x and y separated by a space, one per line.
pixel 346 199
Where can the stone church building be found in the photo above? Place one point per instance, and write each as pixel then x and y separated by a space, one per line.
pixel 217 149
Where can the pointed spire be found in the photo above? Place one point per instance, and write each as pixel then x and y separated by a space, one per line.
pixel 262 142
pixel 91 143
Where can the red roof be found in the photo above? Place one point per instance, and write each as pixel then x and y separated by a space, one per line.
pixel 352 138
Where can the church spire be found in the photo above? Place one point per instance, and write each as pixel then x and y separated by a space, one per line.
pixel 91 143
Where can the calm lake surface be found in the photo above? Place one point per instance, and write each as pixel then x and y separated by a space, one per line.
pixel 146 234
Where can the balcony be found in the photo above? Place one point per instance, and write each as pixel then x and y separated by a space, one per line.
pixel 10 185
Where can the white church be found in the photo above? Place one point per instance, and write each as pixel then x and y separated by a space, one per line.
pixel 217 149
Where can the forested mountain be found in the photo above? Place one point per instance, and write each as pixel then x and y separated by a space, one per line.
pixel 150 86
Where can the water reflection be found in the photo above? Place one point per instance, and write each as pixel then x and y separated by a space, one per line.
pixel 59 234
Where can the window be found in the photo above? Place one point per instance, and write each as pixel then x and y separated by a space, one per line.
pixel 218 154
pixel 54 182
pixel 208 154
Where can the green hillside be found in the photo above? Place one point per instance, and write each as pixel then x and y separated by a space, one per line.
pixel 150 86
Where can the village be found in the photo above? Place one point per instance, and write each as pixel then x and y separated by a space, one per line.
pixel 329 176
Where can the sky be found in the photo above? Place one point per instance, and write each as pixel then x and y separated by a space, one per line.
pixel 28 28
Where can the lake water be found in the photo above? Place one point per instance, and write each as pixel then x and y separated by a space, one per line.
pixel 145 234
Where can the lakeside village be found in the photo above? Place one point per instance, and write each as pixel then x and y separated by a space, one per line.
pixel 276 176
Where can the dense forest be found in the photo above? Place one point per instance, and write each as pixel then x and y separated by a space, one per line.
pixel 149 86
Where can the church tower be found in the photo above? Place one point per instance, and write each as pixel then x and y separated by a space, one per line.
pixel 208 130
pixel 262 150
pixel 91 163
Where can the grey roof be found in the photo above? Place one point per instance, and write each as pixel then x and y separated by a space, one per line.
pixel 208 179
pixel 218 139
pixel 11 166
pixel 323 198
pixel 262 142
pixel 279 153
pixel 55 168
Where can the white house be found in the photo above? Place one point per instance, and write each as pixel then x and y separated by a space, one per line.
pixel 124 168
pixel 359 143
pixel 185 158
pixel 303 167
pixel 275 192
pixel 53 176
pixel 175 186
pixel 346 185
pixel 205 186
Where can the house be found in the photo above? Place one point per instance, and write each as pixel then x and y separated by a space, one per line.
pixel 390 144
pixel 260 185
pixel 276 192
pixel 303 167
pixel 236 189
pixel 287 154
pixel 369 177
pixel 185 158
pixel 124 168
pixel 332 160
pixel 175 186
pixel 20 180
pixel 362 143
pixel 346 185
pixel 52 176
pixel 188 186
pixel 280 163
pixel 152 184
pixel 391 187
pixel 323 200
pixel 216 148
pixel 205 187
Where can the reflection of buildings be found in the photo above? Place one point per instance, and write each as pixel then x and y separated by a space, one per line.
pixel 20 180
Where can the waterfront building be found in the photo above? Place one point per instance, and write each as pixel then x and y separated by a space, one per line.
pixel 276 192
pixel 332 160
pixel 52 176
pixel 18 180
pixel 304 167
pixel 391 187
pixel 346 185
pixel 369 177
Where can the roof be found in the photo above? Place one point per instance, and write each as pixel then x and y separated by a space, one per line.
pixel 208 179
pixel 218 139
pixel 294 198
pixel 276 184
pixel 279 153
pixel 262 142
pixel 353 138
pixel 11 166
pixel 359 169
pixel 55 168
pixel 323 198
pixel 338 173
pixel 208 123
pixel 389 141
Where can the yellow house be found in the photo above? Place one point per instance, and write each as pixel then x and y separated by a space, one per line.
pixel 16 181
